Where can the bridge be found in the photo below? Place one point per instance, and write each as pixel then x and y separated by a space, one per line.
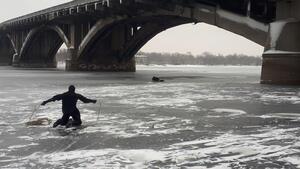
pixel 105 35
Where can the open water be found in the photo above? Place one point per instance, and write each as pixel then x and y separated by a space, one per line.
pixel 201 117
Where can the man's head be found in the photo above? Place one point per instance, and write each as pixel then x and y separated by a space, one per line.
pixel 72 88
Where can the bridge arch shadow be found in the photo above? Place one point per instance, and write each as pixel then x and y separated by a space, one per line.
pixel 7 50
pixel 41 45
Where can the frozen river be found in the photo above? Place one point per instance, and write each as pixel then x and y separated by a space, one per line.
pixel 200 117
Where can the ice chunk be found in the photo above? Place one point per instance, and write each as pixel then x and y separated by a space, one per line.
pixel 230 112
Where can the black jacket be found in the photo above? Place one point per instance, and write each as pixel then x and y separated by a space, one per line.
pixel 69 101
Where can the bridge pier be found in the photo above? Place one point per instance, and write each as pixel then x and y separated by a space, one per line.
pixel 281 59
pixel 281 68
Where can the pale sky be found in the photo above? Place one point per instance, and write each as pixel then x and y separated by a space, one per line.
pixel 186 38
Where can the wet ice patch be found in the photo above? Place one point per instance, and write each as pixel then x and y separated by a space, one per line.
pixel 142 156
pixel 141 96
pixel 291 116
pixel 10 129
pixel 156 101
pixel 104 158
pixel 22 146
pixel 120 126
pixel 171 95
pixel 27 138
pixel 228 149
pixel 2 154
pixel 10 99
pixel 280 97
pixel 295 160
pixel 3 123
pixel 228 112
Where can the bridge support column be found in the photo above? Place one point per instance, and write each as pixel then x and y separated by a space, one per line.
pixel 281 68
pixel 105 54
pixel 281 60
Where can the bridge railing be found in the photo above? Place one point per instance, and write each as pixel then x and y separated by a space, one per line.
pixel 72 4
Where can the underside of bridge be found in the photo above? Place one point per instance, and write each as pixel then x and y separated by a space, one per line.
pixel 40 49
pixel 106 35
pixel 112 45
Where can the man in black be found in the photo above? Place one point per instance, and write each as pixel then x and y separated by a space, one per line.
pixel 69 109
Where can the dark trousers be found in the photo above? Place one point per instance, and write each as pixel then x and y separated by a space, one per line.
pixel 65 119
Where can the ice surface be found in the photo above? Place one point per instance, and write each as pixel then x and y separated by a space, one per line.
pixel 200 117
pixel 295 160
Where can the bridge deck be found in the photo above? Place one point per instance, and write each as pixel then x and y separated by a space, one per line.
pixel 55 9
pixel 264 12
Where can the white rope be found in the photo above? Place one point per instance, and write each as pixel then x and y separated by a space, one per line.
pixel 99 111
pixel 35 109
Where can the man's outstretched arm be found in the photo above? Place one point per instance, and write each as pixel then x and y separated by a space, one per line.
pixel 86 100
pixel 53 99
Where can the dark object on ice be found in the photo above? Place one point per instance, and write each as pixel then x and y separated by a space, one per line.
pixel 156 79
pixel 39 122
pixel 69 109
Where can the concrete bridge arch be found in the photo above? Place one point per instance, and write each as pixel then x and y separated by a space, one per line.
pixel 112 42
pixel 41 45
pixel 7 49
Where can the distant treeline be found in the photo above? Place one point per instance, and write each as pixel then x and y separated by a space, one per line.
pixel 185 59
pixel 203 59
